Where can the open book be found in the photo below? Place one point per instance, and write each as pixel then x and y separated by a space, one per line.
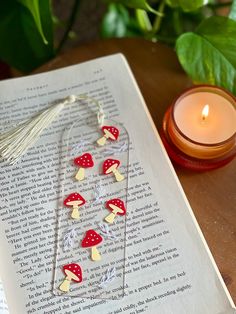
pixel 168 266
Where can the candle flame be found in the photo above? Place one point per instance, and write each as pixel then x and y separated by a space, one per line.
pixel 205 112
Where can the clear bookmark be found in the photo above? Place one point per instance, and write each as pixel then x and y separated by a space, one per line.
pixel 92 207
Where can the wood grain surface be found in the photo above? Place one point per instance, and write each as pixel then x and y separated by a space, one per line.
pixel 212 195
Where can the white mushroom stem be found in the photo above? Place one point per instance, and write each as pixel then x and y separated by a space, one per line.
pixel 119 177
pixel 101 141
pixel 80 174
pixel 110 218
pixel 95 256
pixel 75 212
pixel 65 286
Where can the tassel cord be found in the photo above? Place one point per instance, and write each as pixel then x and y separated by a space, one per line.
pixel 100 112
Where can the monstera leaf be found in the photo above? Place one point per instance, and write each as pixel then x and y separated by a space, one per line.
pixel 28 41
pixel 209 54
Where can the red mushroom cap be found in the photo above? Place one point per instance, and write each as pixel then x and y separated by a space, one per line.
pixel 113 130
pixel 75 269
pixel 117 203
pixel 91 238
pixel 84 161
pixel 109 163
pixel 74 197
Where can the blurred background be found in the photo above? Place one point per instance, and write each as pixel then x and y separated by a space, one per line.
pixel 89 26
pixel 34 32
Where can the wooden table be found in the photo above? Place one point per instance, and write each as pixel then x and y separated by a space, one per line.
pixel 212 195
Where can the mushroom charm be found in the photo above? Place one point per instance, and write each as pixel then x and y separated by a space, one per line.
pixel 110 132
pixel 92 239
pixel 111 165
pixel 117 207
pixel 83 161
pixel 75 200
pixel 73 272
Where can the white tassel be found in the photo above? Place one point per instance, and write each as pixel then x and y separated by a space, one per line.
pixel 15 142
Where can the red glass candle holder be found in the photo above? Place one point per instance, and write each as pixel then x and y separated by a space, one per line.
pixel 188 152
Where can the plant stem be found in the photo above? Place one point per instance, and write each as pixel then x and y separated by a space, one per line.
pixel 158 19
pixel 70 23
pixel 177 21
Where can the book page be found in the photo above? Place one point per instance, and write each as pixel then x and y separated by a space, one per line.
pixel 168 267
pixel 3 302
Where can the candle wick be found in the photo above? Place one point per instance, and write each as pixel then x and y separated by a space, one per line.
pixel 203 120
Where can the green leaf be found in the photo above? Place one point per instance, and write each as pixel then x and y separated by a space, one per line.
pixel 115 21
pixel 232 14
pixel 23 46
pixel 143 20
pixel 209 55
pixel 137 4
pixel 186 5
pixel 118 23
pixel 33 6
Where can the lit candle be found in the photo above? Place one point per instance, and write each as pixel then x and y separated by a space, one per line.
pixel 202 124
pixel 205 112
